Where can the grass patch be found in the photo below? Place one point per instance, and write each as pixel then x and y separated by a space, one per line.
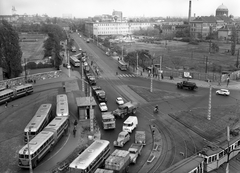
pixel 221 117
pixel 157 94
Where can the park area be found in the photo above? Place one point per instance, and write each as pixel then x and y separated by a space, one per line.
pixel 32 46
pixel 184 56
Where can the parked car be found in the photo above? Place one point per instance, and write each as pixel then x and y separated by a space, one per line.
pixel 103 107
pixel 223 92
pixel 119 101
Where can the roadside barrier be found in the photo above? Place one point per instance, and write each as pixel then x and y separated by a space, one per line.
pixel 29 79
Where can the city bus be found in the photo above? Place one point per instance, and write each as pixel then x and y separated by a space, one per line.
pixel 40 120
pixel 43 142
pixel 62 105
pixel 91 158
pixel 74 61
pixel 8 95
pixel 122 65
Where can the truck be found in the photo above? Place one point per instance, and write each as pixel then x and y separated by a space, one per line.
pixel 108 120
pixel 140 137
pixel 91 79
pixel 135 151
pixel 118 161
pixel 101 95
pixel 126 109
pixel 187 85
pixel 123 138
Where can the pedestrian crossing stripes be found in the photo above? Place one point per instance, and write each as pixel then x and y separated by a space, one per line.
pixel 126 75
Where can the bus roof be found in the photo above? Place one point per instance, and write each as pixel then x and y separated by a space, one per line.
pixel 6 91
pixel 38 118
pixel 36 142
pixel 89 154
pixel 55 124
pixel 74 58
pixel 62 105
pixel 22 86
pixel 122 62
pixel 185 165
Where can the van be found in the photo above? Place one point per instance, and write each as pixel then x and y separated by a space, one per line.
pixel 130 124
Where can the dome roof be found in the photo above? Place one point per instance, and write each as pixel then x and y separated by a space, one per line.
pixel 222 8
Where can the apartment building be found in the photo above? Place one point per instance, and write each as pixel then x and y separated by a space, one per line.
pixel 114 28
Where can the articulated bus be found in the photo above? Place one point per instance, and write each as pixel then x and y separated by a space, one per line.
pixel 40 120
pixel 62 105
pixel 43 142
pixel 91 158
pixel 13 93
pixel 122 65
pixel 75 62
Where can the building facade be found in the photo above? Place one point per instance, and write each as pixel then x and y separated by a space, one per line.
pixel 113 28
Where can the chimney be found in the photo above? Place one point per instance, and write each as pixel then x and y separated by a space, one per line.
pixel 189 12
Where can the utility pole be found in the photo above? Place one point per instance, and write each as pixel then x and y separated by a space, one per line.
pixel 91 110
pixel 160 62
pixel 228 152
pixel 137 64
pixel 206 68
pixel 151 85
pixel 209 102
pixel 237 59
pixel 29 154
pixel 83 88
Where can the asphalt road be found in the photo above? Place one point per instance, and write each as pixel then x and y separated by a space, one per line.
pixel 177 138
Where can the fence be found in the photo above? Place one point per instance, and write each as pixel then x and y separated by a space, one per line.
pixel 29 78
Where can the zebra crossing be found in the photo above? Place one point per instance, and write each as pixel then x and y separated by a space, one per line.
pixel 126 75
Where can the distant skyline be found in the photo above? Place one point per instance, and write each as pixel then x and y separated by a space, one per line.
pixel 130 8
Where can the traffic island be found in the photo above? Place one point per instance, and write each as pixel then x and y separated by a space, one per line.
pixel 156 150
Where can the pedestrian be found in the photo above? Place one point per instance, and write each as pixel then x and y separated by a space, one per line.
pixel 228 80
pixel 6 104
pixel 162 75
pixel 74 132
pixel 75 123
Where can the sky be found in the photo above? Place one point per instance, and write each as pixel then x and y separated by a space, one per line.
pixel 130 8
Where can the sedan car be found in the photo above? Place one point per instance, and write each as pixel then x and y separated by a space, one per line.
pixel 119 101
pixel 80 48
pixel 223 92
pixel 103 107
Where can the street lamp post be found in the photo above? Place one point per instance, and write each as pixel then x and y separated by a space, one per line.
pixel 137 64
pixel 83 88
pixel 209 101
pixel 29 154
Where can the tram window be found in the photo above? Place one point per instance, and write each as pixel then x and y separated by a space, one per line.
pixel 238 143
pixel 221 155
pixel 209 159
pixel 205 160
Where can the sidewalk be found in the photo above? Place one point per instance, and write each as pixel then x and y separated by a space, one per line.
pixel 233 85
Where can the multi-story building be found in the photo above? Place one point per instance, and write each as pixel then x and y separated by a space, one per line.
pixel 113 28
pixel 202 26
pixel 117 16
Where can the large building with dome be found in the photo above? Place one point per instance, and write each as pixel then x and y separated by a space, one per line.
pixel 222 10
pixel 201 26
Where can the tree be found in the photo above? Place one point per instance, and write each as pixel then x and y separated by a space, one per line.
pixel 10 50
pixel 52 45
pixel 234 40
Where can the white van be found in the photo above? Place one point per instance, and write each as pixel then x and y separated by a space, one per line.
pixel 130 124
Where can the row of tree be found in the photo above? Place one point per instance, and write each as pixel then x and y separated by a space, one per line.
pixel 11 53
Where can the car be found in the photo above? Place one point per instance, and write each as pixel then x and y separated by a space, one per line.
pixel 68 66
pixel 103 107
pixel 119 101
pixel 80 49
pixel 223 92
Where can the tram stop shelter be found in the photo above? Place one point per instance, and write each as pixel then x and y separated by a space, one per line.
pixel 83 107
